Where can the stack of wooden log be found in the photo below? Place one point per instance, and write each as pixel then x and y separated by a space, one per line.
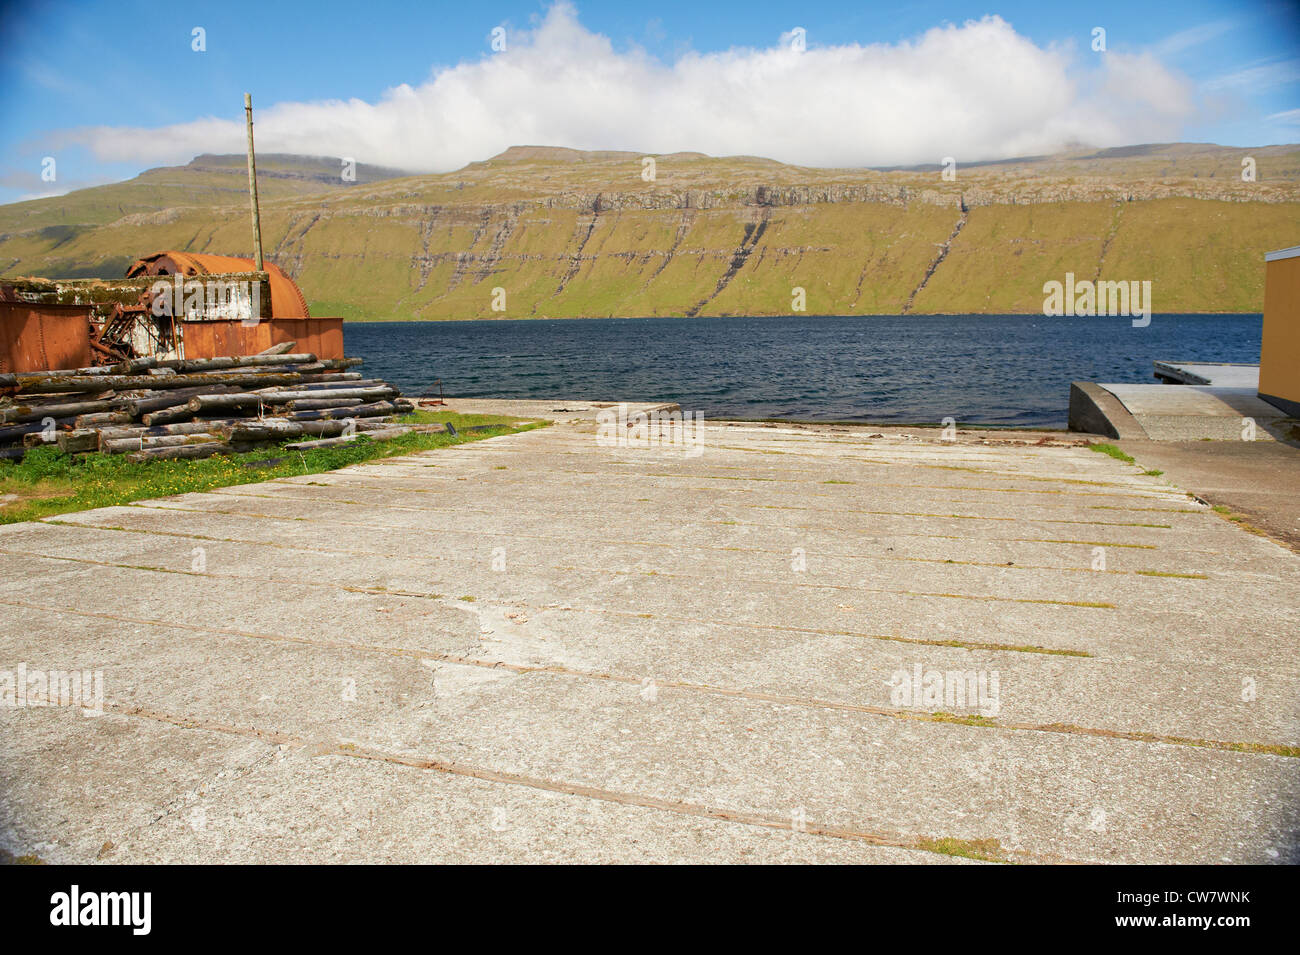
pixel 149 408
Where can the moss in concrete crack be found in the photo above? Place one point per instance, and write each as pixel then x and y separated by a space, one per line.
pixel 985 850
pixel 969 645
pixel 1111 451
pixel 970 720
pixel 1238 519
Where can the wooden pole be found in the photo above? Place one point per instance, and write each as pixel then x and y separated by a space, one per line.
pixel 252 183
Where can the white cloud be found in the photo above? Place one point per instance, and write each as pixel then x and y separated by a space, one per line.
pixel 973 91
pixel 1184 40
pixel 1258 78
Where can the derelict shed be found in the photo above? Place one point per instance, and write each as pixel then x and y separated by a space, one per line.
pixel 220 329
pixel 215 307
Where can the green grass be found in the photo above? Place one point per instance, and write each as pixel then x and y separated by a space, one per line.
pixel 969 720
pixel 1238 519
pixel 48 482
pixel 1111 451
pixel 461 421
pixel 967 645
pixel 986 850
pixel 1154 472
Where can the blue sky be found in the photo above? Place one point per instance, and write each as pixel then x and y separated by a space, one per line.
pixel 110 89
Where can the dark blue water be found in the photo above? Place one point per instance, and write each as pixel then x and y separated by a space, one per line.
pixel 980 369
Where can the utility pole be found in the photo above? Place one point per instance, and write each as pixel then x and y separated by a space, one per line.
pixel 252 184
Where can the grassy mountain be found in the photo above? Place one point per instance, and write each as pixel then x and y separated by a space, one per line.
pixel 569 234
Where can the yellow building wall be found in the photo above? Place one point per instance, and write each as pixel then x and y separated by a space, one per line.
pixel 1279 360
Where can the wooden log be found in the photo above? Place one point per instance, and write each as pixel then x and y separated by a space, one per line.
pixel 132 367
pixel 78 442
pixel 144 442
pixel 331 377
pixel 168 415
pixel 101 418
pixel 396 431
pixel 243 371
pixel 382 433
pixel 336 380
pixel 321 404
pixel 318 404
pixel 374 409
pixel 236 361
pixel 182 427
pixel 79 383
pixel 188 451
pixel 276 429
pixel 15 432
pixel 35 412
pixel 372 394
pixel 38 438
pixel 322 442
pixel 169 399
pixel 279 349
pixel 311 368
pixel 374 424
pixel 331 382
pixel 371 425
pixel 207 404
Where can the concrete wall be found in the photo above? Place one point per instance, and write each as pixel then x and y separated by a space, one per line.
pixel 1279 360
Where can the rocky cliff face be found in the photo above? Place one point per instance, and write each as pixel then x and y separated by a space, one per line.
pixel 559 233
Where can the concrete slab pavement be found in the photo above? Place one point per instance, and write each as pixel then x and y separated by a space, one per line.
pixel 782 644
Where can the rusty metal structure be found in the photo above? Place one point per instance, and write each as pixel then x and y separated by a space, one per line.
pixel 50 323
pixel 129 331
pixel 38 337
pixel 286 298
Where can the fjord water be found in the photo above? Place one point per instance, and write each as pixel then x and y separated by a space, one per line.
pixel 1010 370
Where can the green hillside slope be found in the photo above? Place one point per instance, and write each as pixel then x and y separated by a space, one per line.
pixel 569 234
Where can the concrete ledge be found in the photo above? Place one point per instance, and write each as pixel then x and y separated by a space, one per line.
pixel 1218 374
pixel 1094 410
